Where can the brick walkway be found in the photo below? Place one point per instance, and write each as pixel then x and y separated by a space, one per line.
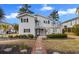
pixel 39 48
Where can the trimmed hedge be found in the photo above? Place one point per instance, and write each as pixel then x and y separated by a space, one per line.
pixel 10 36
pixel 57 36
pixel 30 36
pixel 22 36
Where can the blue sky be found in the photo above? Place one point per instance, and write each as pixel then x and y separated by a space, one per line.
pixel 66 11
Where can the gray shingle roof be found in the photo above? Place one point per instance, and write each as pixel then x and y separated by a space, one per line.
pixel 71 20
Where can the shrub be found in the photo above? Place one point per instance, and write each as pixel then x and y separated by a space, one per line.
pixel 22 36
pixel 57 36
pixel 17 36
pixel 30 36
pixel 10 36
pixel 75 29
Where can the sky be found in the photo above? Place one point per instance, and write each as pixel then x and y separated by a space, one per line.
pixel 65 11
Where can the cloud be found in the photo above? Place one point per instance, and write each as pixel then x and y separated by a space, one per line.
pixel 19 7
pixel 68 11
pixel 12 15
pixel 45 7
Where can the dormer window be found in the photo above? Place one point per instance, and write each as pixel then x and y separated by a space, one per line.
pixel 24 20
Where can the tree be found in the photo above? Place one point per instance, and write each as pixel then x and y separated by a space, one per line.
pixel 16 27
pixel 4 27
pixel 54 15
pixel 77 11
pixel 1 14
pixel 22 10
pixel 26 8
pixel 75 29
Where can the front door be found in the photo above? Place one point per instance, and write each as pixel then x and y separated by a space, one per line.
pixel 40 32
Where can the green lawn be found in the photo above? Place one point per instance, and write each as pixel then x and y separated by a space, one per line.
pixel 19 41
pixel 66 46
pixel 6 35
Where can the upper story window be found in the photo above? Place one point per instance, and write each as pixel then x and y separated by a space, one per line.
pixel 65 26
pixel 21 20
pixel 44 21
pixel 48 22
pixel 24 20
pixel 27 19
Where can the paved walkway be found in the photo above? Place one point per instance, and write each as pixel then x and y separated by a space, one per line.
pixel 39 48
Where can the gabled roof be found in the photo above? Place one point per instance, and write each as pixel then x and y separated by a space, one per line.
pixel 41 16
pixel 71 20
pixel 24 14
pixel 32 15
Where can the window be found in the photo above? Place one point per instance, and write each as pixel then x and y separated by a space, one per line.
pixel 24 20
pixel 44 21
pixel 26 30
pixel 65 26
pixel 48 22
pixel 21 20
pixel 27 19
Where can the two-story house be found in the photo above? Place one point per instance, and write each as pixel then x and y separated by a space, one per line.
pixel 37 25
pixel 70 23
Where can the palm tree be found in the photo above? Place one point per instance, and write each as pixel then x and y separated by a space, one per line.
pixel 1 14
pixel 25 8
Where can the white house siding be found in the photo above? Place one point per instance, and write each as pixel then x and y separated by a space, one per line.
pixel 71 23
pixel 41 20
pixel 27 25
pixel 31 25
pixel 49 27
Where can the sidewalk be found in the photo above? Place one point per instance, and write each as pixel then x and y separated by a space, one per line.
pixel 39 48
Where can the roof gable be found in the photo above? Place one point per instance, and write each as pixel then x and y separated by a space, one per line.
pixel 71 20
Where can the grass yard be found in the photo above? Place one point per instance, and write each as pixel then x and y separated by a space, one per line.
pixel 64 46
pixel 6 35
pixel 18 41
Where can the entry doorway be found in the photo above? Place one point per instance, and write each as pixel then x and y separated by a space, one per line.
pixel 40 32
